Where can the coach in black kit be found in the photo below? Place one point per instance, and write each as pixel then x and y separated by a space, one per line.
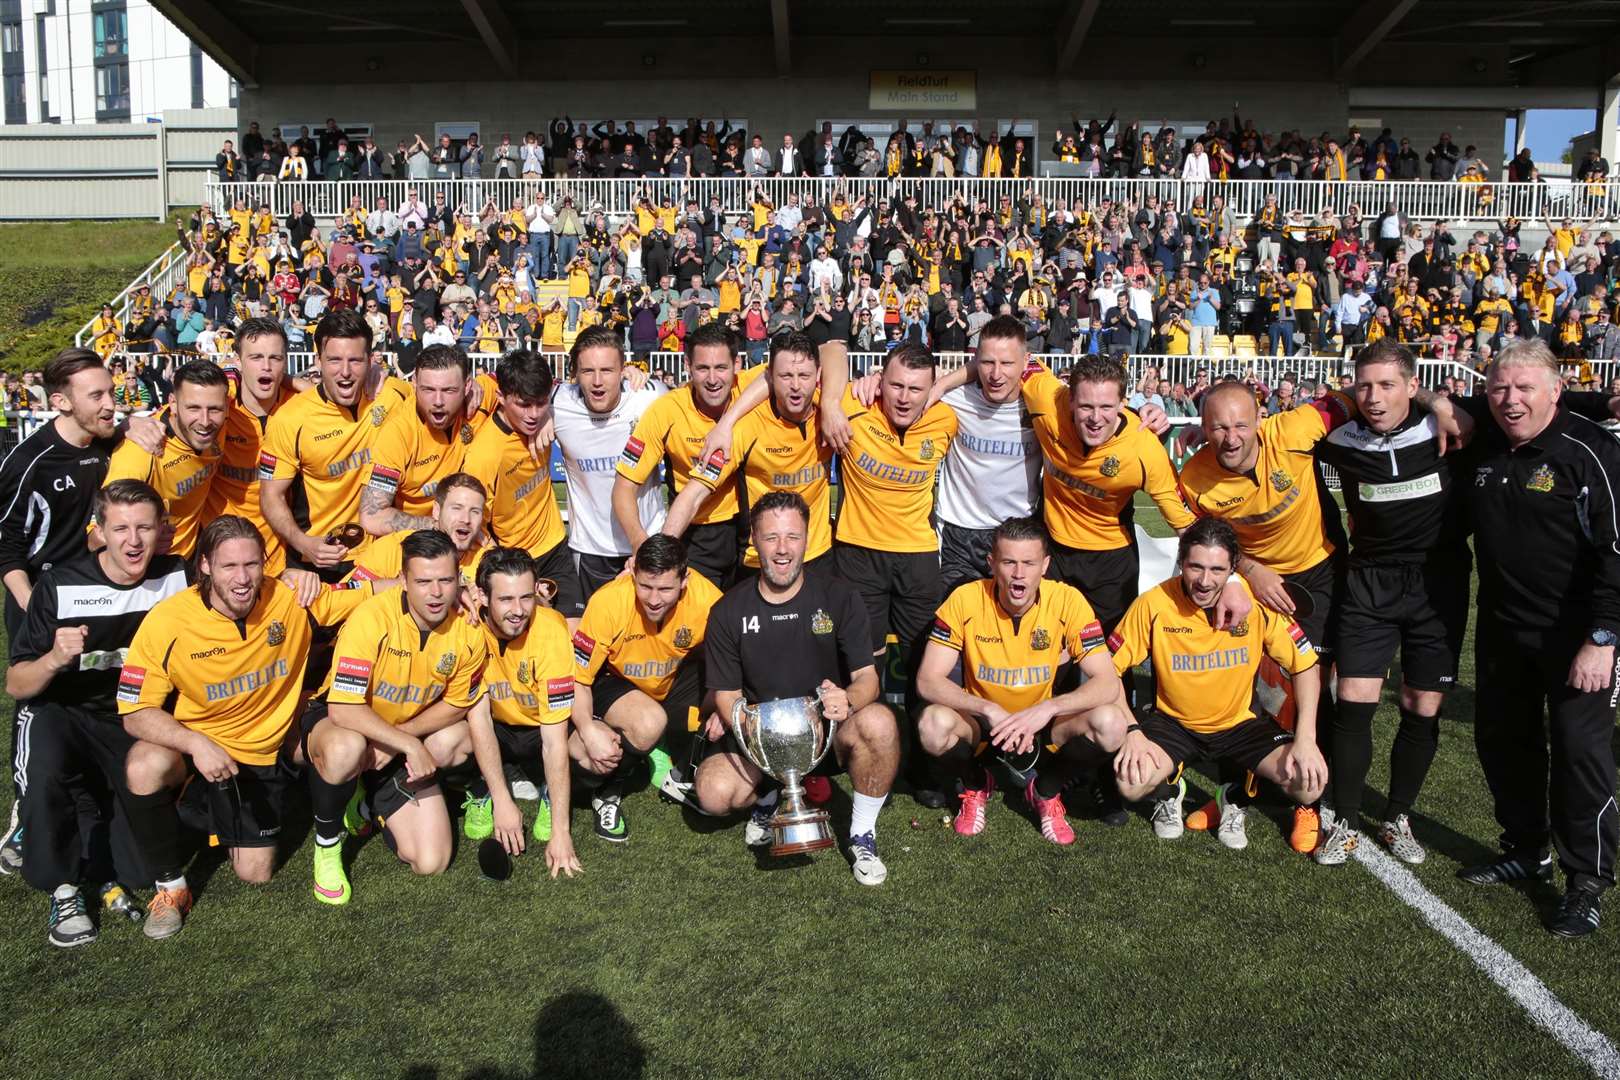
pixel 1541 495
pixel 788 634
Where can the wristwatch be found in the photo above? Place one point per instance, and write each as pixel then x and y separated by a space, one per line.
pixel 1603 638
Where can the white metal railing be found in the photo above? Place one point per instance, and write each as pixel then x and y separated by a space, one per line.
pixel 1420 200
pixel 1182 369
pixel 161 274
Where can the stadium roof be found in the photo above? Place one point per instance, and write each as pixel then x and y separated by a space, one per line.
pixel 1516 42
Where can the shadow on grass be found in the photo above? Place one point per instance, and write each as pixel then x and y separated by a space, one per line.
pixel 577 1034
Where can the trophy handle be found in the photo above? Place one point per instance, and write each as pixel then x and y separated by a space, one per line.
pixel 739 709
pixel 832 729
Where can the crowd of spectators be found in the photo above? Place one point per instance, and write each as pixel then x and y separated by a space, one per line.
pixel 1147 276
pixel 1228 149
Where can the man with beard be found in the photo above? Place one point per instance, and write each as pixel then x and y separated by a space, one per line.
pixel 209 689
pixel 638 676
pixel 48 485
pixel 317 446
pixel 391 714
pixel 64 673
pixel 787 634
pixel 262 387
pixel 523 719
pixel 458 506
pixel 522 508
pixel 417 448
pixel 671 433
pixel 182 472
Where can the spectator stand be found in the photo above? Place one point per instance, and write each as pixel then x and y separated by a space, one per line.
pixel 164 273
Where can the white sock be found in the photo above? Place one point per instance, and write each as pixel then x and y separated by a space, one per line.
pixel 863 818
pixel 176 882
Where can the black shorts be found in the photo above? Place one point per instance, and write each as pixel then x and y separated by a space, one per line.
pixel 385 788
pixel 715 550
pixel 964 556
pixel 245 811
pixel 596 571
pixel 1245 744
pixel 681 704
pixel 519 744
pixel 1325 583
pixel 900 589
pixel 1419 608
pixel 558 565
pixel 1107 579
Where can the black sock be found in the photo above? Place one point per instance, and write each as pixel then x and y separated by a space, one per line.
pixel 478 787
pixel 1166 790
pixel 1237 780
pixel 1077 757
pixel 1416 741
pixel 1351 737
pixel 328 801
pixel 155 824
pixel 960 762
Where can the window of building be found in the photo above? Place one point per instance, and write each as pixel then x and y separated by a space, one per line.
pixel 11 37
pixel 112 91
pixel 112 33
pixel 16 107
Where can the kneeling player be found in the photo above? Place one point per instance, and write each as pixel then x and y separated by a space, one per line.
pixel 1205 682
pixel 788 634
pixel 639 676
pixel 64 673
pixel 523 716
pixel 1009 632
pixel 392 713
pixel 209 689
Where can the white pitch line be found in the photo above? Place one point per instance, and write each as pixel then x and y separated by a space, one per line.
pixel 1580 1038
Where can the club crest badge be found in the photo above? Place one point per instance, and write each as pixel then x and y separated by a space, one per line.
pixel 821 623
pixel 1040 639
pixel 1281 481
pixel 1541 480
pixel 1239 629
pixel 926 450
pixel 378 415
pixel 466 435
pixel 683 638
pixel 525 674
pixel 277 634
pixel 447 664
pixel 1110 466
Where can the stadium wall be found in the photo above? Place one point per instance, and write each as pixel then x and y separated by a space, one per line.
pixel 52 172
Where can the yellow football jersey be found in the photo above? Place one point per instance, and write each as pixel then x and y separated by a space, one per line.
pixel 1008 661
pixel 522 507
pixel 325 448
pixel 384 660
pixel 774 453
pixel 410 457
pixel 888 477
pixel 671 432
pixel 1205 676
pixel 1088 494
pixel 613 632
pixel 236 682
pixel 235 486
pixel 1275 510
pixel 530 679
pixel 180 474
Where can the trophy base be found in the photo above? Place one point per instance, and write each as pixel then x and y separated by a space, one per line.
pixel 801 835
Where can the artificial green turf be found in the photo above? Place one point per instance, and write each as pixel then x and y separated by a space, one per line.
pixel 679 954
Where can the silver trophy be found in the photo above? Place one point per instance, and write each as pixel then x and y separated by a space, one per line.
pixel 786 739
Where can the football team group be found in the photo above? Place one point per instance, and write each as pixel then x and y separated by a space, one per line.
pixel 365 588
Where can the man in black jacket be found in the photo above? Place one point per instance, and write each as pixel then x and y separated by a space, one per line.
pixel 1541 496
